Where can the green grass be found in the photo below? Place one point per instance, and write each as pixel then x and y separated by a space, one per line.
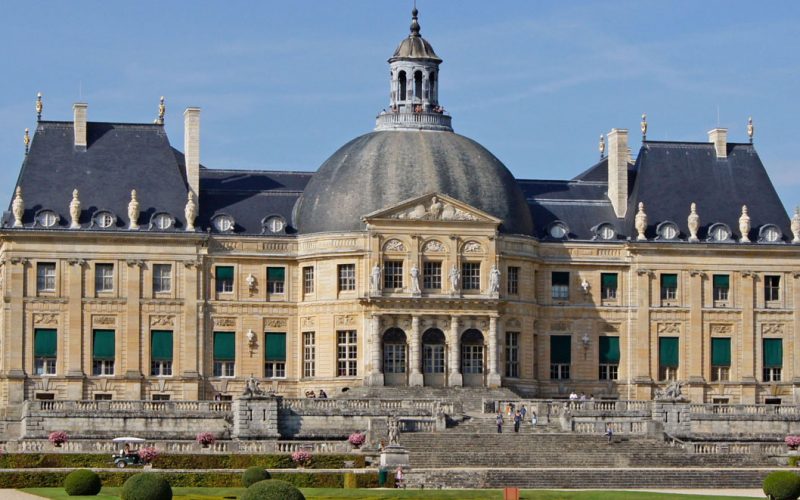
pixel 111 493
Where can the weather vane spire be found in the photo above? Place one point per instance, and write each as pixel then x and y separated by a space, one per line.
pixel 39 106
pixel 414 20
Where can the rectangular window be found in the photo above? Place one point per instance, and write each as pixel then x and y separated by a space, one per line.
pixel 308 279
pixel 772 288
pixel 161 353
pixel 394 358
pixel 433 358
pixel 104 277
pixel 560 356
pixel 275 355
pixel 608 286
pixel 46 277
pixel 722 285
pixel 609 358
pixel 347 277
pixel 432 275
pixel 276 277
pixel 560 285
pixel 512 354
pixel 103 352
pixel 470 275
pixel 773 359
pixel 103 397
pixel 224 354
pixel 45 348
pixel 223 275
pixel 160 397
pixel 513 280
pixel 669 286
pixel 162 278
pixel 720 358
pixel 346 353
pixel 392 274
pixel 309 354
pixel 668 356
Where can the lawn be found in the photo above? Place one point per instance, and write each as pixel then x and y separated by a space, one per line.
pixel 374 494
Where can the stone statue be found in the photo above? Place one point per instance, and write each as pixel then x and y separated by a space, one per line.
pixel 672 391
pixel 455 276
pixel 190 211
pixel 693 222
pixel 415 279
pixel 641 223
pixel 133 211
pixel 18 207
pixel 796 225
pixel 394 430
pixel 251 388
pixel 75 211
pixel 375 279
pixel 744 225
pixel 494 280
pixel 436 208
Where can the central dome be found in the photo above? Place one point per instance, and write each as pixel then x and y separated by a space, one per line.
pixel 381 169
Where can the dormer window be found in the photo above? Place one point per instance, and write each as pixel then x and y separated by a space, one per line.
pixel 104 219
pixel 667 231
pixel 605 231
pixel 558 230
pixel 223 223
pixel 47 218
pixel 719 233
pixel 273 224
pixel 770 233
pixel 162 221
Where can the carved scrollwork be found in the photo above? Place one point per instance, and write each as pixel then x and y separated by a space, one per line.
pixel 225 322
pixel 472 247
pixel 772 328
pixel 346 320
pixel 394 245
pixel 275 323
pixel 104 320
pixel 669 328
pixel 307 322
pixel 721 329
pixel 45 318
pixel 162 320
pixel 433 246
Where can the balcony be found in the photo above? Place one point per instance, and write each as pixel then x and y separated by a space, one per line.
pixel 414 121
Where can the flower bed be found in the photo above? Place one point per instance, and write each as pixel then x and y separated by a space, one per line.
pixel 58 438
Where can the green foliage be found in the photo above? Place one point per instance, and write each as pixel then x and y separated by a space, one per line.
pixel 793 461
pixel 272 489
pixel 782 485
pixel 82 482
pixel 253 475
pixel 350 480
pixel 144 486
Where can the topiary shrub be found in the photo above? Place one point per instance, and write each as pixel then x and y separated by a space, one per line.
pixel 144 486
pixel 272 489
pixel 82 482
pixel 782 485
pixel 253 475
pixel 350 480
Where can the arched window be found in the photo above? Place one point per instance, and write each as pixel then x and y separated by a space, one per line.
pixel 418 84
pixel 401 79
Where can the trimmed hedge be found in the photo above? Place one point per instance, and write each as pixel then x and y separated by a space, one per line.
pixel 782 485
pixel 234 461
pixel 82 482
pixel 253 475
pixel 272 489
pixel 307 479
pixel 350 481
pixel 146 486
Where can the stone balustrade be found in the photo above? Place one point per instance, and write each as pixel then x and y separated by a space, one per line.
pixel 179 447
pixel 123 406
pixel 427 121
pixel 748 409
pixel 373 407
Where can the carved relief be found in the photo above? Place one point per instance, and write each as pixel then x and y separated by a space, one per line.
pixel 275 323
pixel 225 322
pixel 394 246
pixel 347 320
pixel 433 246
pixel 669 328
pixel 435 211
pixel 162 320
pixel 472 247
pixel 307 322
pixel 104 320
pixel 721 329
pixel 772 328
pixel 45 319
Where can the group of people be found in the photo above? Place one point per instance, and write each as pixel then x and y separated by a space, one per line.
pixel 573 396
pixel 313 395
pixel 518 418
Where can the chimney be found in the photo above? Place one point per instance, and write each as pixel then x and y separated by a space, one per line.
pixel 618 155
pixel 191 150
pixel 79 109
pixel 719 136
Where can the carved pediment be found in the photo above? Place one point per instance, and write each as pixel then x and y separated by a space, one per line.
pixel 433 207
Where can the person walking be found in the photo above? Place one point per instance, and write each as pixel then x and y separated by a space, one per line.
pixel 523 411
pixel 534 420
pixel 399 477
pixel 499 423
pixel 609 433
pixel 517 420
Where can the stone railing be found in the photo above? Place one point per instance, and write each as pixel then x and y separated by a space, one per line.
pixel 311 406
pixel 427 121
pixel 724 448
pixel 35 407
pixel 748 409
pixel 179 447
pixel 599 427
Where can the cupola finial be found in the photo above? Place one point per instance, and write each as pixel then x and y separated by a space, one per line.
pixel 39 106
pixel 26 139
pixel 751 129
pixel 162 110
pixel 602 146
pixel 643 126
pixel 414 21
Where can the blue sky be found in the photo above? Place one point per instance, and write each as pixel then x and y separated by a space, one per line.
pixel 282 85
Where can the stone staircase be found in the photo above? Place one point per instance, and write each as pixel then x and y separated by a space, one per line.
pixel 471 398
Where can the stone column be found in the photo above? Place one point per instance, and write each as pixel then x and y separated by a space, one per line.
pixel 493 380
pixel 747 371
pixel 375 376
pixel 415 379
pixel 455 379
pixel 643 377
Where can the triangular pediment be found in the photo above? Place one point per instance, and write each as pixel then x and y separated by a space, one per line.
pixel 432 207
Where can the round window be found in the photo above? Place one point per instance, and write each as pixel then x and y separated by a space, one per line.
pixel 223 223
pixel 162 221
pixel 606 232
pixel 275 224
pixel 47 218
pixel 668 231
pixel 558 230
pixel 771 234
pixel 720 233
pixel 104 220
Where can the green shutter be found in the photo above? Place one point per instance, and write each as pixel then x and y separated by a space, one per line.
pixel 561 278
pixel 609 350
pixel 669 281
pixel 609 280
pixel 561 349
pixel 276 347
pixel 224 346
pixel 276 273
pixel 224 272
pixel 720 351
pixel 44 343
pixel 161 345
pixel 773 353
pixel 668 353
pixel 721 281
pixel 103 344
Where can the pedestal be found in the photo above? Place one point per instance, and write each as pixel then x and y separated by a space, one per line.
pixel 374 379
pixel 256 417
pixel 493 380
pixel 416 380
pixel 455 380
pixel 394 455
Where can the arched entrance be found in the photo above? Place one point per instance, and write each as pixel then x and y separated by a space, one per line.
pixel 472 358
pixel 433 358
pixel 394 357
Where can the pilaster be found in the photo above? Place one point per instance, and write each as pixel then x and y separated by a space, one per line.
pixel 493 380
pixel 14 334
pixel 642 351
pixel 188 340
pixel 454 379
pixel 415 379
pixel 74 327
pixel 375 373
pixel 695 337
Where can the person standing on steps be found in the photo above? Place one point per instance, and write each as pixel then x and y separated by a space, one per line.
pixel 609 433
pixel 523 411
pixel 534 420
pixel 499 423
pixel 517 420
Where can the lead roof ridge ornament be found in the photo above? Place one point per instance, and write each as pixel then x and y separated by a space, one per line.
pixel 18 207
pixel 601 146
pixel 751 129
pixel 75 210
pixel 162 110
pixel 643 126
pixel 415 27
pixel 39 106
pixel 26 139
pixel 744 225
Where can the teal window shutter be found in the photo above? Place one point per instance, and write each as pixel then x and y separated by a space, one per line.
pixel 161 345
pixel 276 273
pixel 721 351
pixel 721 281
pixel 609 280
pixel 561 349
pixel 276 347
pixel 609 350
pixel 45 343
pixel 103 344
pixel 669 281
pixel 773 353
pixel 224 346
pixel 224 272
pixel 668 353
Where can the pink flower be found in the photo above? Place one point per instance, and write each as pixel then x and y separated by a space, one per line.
pixel 58 437
pixel 357 439
pixel 148 454
pixel 205 438
pixel 301 457
pixel 792 441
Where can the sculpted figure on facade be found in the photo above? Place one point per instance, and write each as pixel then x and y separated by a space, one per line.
pixel 251 388
pixel 393 425
pixel 18 207
pixel 641 222
pixel 133 211
pixel 375 279
pixel 796 225
pixel 415 279
pixel 693 222
pixel 75 211
pixel 494 280
pixel 455 277
pixel 190 211
pixel 744 225
pixel 436 208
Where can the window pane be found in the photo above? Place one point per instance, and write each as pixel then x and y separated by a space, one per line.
pixel 432 275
